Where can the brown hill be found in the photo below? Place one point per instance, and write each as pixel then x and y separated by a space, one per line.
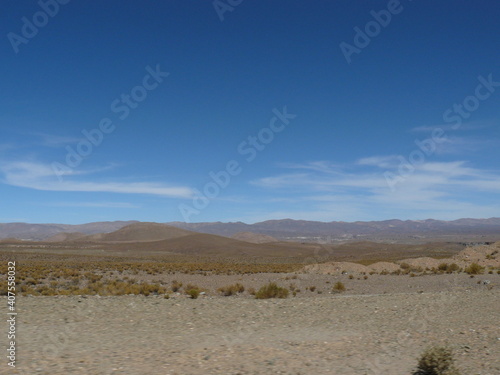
pixel 11 240
pixel 484 255
pixel 253 237
pixel 209 244
pixel 139 232
pixel 38 232
pixel 63 237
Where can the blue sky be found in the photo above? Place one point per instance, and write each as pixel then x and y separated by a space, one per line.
pixel 365 110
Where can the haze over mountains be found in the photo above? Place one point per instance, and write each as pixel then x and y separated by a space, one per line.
pixel 36 232
pixel 284 230
pixel 288 229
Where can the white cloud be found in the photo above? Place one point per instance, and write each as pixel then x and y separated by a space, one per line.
pixel 318 166
pixel 51 140
pixel 92 204
pixel 380 161
pixel 41 177
pixel 443 190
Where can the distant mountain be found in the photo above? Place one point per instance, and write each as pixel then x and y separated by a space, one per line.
pixel 37 232
pixel 209 244
pixel 282 230
pixel 139 232
pixel 298 230
pixel 253 237
pixel 64 237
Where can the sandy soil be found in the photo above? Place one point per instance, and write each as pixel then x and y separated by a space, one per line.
pixel 315 334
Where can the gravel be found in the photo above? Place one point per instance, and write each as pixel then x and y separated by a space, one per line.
pixel 372 333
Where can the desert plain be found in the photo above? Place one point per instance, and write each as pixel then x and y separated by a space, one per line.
pixel 150 299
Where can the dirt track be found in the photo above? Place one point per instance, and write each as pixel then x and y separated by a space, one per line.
pixel 339 334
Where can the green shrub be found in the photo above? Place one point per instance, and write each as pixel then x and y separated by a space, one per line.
pixel 436 361
pixel 271 290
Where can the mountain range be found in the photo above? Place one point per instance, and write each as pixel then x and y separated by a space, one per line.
pixel 283 230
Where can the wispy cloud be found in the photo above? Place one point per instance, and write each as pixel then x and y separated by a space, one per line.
pixel 452 128
pixel 318 166
pixel 92 204
pixel 435 189
pixel 40 176
pixel 52 140
pixel 379 161
pixel 461 145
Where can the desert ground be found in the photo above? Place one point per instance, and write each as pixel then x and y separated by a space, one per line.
pixel 338 334
pixel 97 308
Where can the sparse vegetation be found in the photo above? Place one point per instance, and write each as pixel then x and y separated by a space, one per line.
pixel 436 361
pixel 474 269
pixel 338 287
pixel 176 286
pixel 271 290
pixel 448 268
pixel 231 289
pixel 453 268
pixel 492 255
pixel 193 293
pixel 443 266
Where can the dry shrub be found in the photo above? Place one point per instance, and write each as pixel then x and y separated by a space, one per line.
pixel 192 290
pixel 436 361
pixel 338 287
pixel 176 286
pixel 231 289
pixel 443 266
pixel 474 269
pixel 271 290
pixel 193 293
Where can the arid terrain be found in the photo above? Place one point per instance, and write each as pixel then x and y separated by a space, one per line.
pixel 340 334
pixel 152 299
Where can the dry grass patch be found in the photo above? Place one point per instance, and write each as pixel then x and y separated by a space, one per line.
pixel 231 289
pixel 474 269
pixel 271 290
